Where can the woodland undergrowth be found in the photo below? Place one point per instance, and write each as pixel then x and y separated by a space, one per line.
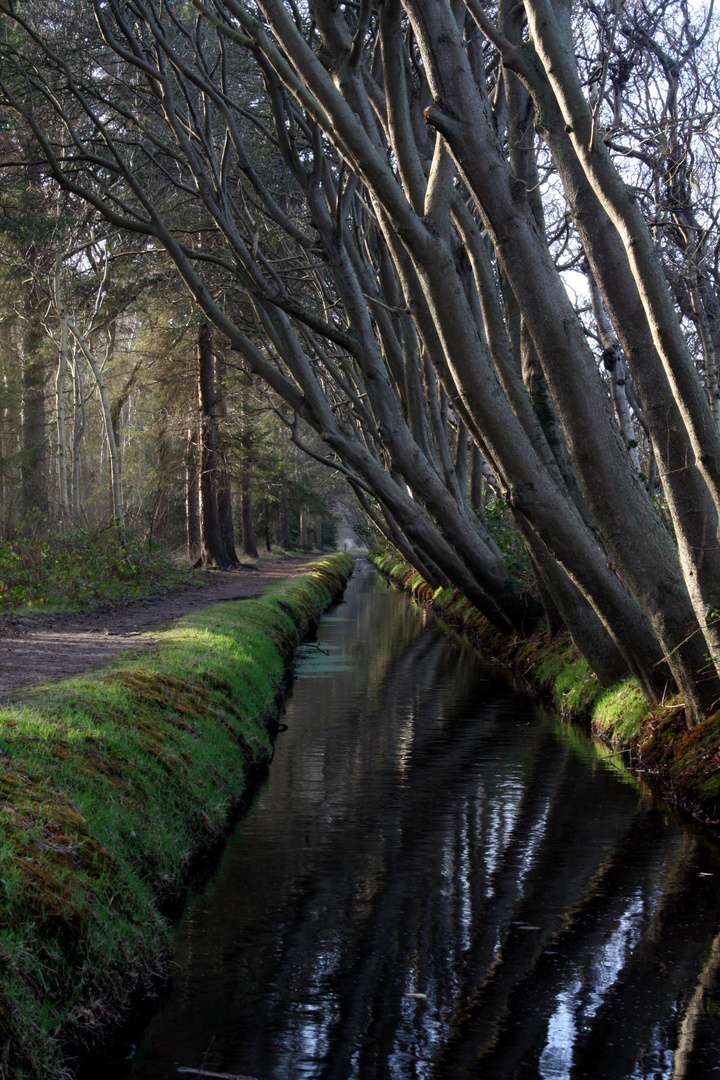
pixel 72 570
pixel 111 784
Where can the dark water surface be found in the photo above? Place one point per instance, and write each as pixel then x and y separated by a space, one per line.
pixel 439 881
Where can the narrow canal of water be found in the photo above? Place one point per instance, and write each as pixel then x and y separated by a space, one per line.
pixel 440 881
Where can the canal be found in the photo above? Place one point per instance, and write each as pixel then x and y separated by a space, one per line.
pixel 440 880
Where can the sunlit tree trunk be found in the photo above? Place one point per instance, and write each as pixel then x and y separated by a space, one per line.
pixel 79 421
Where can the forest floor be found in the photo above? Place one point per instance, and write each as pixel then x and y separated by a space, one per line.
pixel 38 648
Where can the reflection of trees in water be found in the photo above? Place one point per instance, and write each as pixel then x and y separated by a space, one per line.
pixel 442 840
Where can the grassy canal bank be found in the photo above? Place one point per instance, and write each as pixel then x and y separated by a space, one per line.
pixel 683 766
pixel 111 784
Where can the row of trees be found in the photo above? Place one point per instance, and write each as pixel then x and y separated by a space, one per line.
pixel 376 205
pixel 116 402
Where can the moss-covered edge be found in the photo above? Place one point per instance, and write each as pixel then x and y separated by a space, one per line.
pixel 111 783
pixel 683 766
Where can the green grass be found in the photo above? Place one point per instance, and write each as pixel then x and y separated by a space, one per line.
pixel 111 783
pixel 620 712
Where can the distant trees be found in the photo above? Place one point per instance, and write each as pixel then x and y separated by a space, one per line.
pixel 374 206
pixel 104 370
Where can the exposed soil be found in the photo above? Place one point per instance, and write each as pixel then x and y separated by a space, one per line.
pixel 38 648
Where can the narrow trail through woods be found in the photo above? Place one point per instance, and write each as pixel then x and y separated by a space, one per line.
pixel 38 648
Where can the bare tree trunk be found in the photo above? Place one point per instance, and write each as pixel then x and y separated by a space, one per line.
pixel 60 412
pixel 84 345
pixel 268 545
pixel 79 421
pixel 224 494
pixel 636 541
pixel 213 548
pixel 192 499
pixel 689 499
pixel 304 545
pixel 476 480
pixel 10 433
pixel 248 533
pixel 461 460
pixel 34 464
pixel 551 40
pixel 284 537
pixel 614 361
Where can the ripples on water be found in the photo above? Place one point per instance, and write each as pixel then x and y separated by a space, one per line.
pixel 439 881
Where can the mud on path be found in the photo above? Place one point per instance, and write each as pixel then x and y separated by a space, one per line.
pixel 38 648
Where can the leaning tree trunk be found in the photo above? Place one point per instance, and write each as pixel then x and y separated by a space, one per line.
pixel 629 527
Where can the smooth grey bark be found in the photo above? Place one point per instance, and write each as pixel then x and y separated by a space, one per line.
pixel 60 380
pixel 614 362
pixel 585 628
pixel 635 538
pixel 79 422
pixel 406 455
pixel 554 46
pixel 689 500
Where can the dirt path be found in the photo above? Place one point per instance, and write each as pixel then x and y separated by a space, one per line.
pixel 35 649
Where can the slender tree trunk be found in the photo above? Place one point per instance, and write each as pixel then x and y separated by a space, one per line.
pixel 117 511
pixel 284 537
pixel 213 548
pixel 553 42
pixel 192 499
pixel 476 480
pixel 79 421
pixel 268 545
pixel 60 412
pixel 34 445
pixel 689 499
pixel 248 533
pixel 304 545
pixel 614 361
pixel 224 494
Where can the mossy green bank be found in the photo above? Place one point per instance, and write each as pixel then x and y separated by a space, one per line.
pixel 682 765
pixel 111 784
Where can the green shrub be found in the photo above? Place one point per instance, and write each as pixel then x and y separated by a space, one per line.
pixel 80 571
